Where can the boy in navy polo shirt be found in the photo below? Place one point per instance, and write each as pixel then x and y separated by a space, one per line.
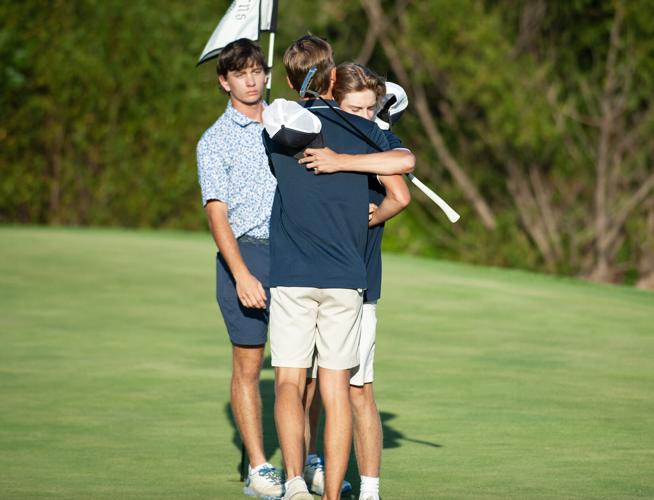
pixel 318 234
pixel 291 126
pixel 358 90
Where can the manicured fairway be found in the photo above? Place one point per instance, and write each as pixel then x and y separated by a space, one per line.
pixel 114 370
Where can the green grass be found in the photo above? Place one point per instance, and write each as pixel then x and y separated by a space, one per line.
pixel 114 370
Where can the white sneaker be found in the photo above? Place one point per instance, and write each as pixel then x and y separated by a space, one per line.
pixel 314 476
pixel 266 483
pixel 368 496
pixel 297 490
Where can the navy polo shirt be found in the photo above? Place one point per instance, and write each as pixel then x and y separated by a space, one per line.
pixel 319 223
pixel 373 259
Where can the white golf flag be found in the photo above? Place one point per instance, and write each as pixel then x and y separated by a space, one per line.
pixel 243 19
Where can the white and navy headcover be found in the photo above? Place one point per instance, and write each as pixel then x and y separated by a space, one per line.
pixel 393 104
pixel 291 125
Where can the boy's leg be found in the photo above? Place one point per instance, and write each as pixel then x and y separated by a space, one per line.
pixel 247 329
pixel 334 387
pixel 246 399
pixel 367 424
pixel 338 331
pixel 289 417
pixel 367 430
pixel 293 312
pixel 312 409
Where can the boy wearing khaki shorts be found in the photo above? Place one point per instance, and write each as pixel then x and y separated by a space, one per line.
pixel 318 233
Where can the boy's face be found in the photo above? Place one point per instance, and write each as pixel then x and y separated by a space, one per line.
pixel 245 85
pixel 363 103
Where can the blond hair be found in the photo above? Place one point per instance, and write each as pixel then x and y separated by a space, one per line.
pixel 352 77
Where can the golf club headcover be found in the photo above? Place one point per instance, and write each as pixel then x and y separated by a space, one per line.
pixel 292 127
pixel 393 104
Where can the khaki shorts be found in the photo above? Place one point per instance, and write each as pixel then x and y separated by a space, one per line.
pixel 364 373
pixel 326 321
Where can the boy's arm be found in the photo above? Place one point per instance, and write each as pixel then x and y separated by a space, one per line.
pixel 394 159
pixel 213 178
pixel 326 161
pixel 397 198
pixel 248 288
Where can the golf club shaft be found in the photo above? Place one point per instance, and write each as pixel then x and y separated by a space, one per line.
pixel 442 204
pixel 451 214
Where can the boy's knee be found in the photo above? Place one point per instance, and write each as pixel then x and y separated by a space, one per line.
pixel 290 378
pixel 246 369
pixel 361 397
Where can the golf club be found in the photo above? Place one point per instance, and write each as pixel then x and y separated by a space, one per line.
pixel 451 214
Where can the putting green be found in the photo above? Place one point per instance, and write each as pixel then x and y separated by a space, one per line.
pixel 492 383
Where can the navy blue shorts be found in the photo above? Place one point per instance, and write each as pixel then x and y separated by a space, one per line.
pixel 245 326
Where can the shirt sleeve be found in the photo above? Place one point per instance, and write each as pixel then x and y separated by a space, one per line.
pixel 212 172
pixel 393 141
pixel 378 138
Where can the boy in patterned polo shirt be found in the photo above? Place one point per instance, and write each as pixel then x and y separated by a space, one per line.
pixel 237 193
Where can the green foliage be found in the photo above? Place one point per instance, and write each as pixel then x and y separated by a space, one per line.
pixel 103 105
pixel 106 108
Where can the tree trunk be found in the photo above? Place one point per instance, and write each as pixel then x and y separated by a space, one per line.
pixel 602 270
pixel 646 261
pixel 377 18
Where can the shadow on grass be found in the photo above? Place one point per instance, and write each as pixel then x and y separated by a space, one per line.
pixel 392 437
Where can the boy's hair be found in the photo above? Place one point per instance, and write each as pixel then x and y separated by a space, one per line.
pixel 304 53
pixel 238 55
pixel 352 77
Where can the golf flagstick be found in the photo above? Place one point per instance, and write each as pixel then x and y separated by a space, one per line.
pixel 268 22
pixel 451 214
pixel 271 51
pixel 442 204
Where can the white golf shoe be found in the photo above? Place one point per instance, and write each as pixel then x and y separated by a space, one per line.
pixel 314 476
pixel 266 483
pixel 296 489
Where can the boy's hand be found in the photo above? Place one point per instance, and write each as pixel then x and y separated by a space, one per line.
pixel 322 160
pixel 250 292
pixel 371 210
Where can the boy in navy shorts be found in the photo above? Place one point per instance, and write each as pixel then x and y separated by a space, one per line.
pixel 237 192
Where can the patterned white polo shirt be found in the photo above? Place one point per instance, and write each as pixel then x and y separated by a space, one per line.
pixel 233 168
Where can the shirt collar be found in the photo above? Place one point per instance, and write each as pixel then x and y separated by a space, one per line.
pixel 238 117
pixel 318 103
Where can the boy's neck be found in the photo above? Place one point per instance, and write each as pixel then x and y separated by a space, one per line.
pixel 328 96
pixel 252 111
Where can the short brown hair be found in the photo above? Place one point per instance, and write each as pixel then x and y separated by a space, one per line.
pixel 238 55
pixel 304 53
pixel 352 77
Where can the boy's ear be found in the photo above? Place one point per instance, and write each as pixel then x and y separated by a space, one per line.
pixel 332 80
pixel 222 81
pixel 288 80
